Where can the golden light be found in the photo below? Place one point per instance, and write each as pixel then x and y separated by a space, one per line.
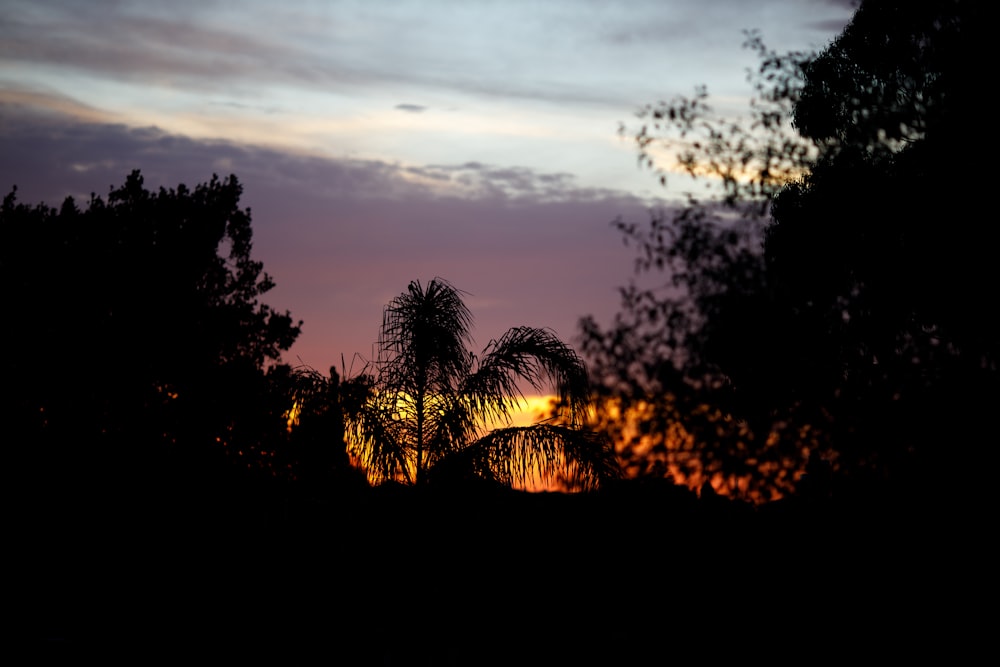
pixel 292 415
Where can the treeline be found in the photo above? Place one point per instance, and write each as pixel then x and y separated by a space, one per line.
pixel 822 313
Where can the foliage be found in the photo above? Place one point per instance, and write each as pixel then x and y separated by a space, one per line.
pixel 315 423
pixel 898 276
pixel 740 162
pixel 141 329
pixel 669 367
pixel 815 304
pixel 432 403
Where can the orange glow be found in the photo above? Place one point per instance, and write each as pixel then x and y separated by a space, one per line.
pixel 675 453
pixel 530 411
pixel 292 415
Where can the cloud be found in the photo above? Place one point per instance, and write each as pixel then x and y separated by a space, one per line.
pixel 549 53
pixel 17 99
pixel 412 108
pixel 504 183
pixel 343 237
pixel 829 26
pixel 134 47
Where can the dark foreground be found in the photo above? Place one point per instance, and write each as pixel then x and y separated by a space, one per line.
pixel 637 574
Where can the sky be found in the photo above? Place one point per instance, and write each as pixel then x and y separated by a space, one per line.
pixel 384 142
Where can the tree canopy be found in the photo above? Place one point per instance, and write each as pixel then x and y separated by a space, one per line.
pixel 828 294
pixel 140 331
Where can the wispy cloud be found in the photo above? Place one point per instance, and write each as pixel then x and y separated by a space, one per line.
pixel 522 50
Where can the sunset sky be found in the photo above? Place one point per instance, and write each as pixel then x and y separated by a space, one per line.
pixel 384 141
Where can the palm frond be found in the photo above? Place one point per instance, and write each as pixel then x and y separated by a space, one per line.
pixel 545 453
pixel 449 425
pixel 379 440
pixel 424 338
pixel 535 356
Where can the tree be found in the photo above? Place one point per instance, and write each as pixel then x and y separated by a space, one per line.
pixel 880 250
pixel 817 307
pixel 432 402
pixel 141 337
pixel 670 368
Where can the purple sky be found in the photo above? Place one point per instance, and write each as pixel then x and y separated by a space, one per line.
pixel 381 143
pixel 342 238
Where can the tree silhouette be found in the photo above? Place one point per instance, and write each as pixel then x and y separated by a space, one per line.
pixel 143 348
pixel 817 307
pixel 667 367
pixel 315 422
pixel 670 366
pixel 898 276
pixel 432 401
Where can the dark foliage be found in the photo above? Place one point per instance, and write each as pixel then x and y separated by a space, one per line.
pixel 885 250
pixel 829 298
pixel 140 349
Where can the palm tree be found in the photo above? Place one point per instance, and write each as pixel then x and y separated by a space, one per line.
pixel 433 401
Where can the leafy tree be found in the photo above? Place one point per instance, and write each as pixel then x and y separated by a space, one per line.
pixel 431 401
pixel 879 250
pixel 671 365
pixel 667 367
pixel 909 275
pixel 142 339
pixel 828 296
